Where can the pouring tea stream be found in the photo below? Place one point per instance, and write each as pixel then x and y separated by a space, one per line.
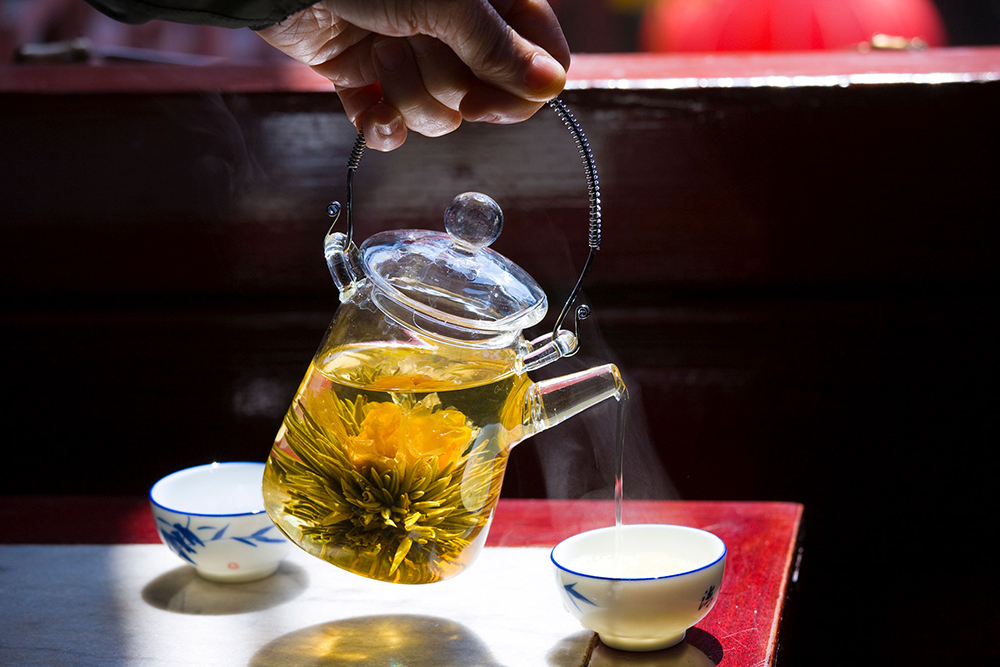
pixel 389 461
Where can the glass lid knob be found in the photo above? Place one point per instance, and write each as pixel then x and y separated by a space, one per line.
pixel 473 221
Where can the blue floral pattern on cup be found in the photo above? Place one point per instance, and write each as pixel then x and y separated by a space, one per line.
pixel 707 598
pixel 575 595
pixel 184 541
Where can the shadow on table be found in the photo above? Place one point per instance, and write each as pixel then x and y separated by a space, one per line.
pixel 181 590
pixel 378 641
pixel 699 649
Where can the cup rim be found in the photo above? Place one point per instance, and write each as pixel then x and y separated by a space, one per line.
pixel 722 556
pixel 216 464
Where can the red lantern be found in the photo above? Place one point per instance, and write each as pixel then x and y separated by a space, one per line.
pixel 785 25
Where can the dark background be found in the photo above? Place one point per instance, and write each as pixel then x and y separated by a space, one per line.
pixel 971 22
pixel 799 284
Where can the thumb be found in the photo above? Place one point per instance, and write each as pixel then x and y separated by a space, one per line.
pixel 497 53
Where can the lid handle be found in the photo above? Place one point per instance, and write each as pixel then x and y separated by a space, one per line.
pixel 473 221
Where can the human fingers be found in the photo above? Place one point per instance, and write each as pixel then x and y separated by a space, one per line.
pixel 446 78
pixel 353 67
pixel 403 88
pixel 314 35
pixel 357 102
pixel 499 55
pixel 384 127
pixel 537 22
pixel 486 104
pixel 479 36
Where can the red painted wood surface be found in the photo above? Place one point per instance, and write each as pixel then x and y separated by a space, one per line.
pixel 76 520
pixel 613 71
pixel 743 628
pixel 760 540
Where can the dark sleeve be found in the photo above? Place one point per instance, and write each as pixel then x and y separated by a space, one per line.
pixel 253 14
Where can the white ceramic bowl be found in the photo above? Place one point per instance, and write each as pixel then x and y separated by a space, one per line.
pixel 668 579
pixel 213 517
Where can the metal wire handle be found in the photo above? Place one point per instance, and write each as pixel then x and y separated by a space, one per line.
pixel 594 228
pixel 593 192
pixel 333 210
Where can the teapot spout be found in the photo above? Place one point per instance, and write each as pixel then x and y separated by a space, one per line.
pixel 552 402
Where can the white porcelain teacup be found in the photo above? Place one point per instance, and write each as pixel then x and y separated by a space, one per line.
pixel 665 580
pixel 213 517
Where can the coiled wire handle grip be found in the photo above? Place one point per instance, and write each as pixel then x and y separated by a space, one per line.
pixel 593 192
pixel 333 210
pixel 594 227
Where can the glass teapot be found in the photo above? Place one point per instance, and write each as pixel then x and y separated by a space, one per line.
pixel 390 459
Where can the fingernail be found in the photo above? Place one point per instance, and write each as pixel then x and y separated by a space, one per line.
pixel 543 73
pixel 486 118
pixel 390 54
pixel 390 128
pixel 422 44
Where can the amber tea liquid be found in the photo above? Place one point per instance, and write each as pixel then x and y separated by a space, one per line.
pixel 390 460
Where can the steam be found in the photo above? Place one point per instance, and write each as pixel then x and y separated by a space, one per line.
pixel 578 458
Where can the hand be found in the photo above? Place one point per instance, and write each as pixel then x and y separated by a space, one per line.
pixel 427 65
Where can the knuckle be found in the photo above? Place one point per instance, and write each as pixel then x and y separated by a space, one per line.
pixel 432 123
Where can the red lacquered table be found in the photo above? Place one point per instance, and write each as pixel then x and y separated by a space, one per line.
pixel 742 629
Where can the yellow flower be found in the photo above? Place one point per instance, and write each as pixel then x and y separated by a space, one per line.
pixel 443 434
pixel 381 428
pixel 391 435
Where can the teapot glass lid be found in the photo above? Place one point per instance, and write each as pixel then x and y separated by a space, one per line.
pixel 452 284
